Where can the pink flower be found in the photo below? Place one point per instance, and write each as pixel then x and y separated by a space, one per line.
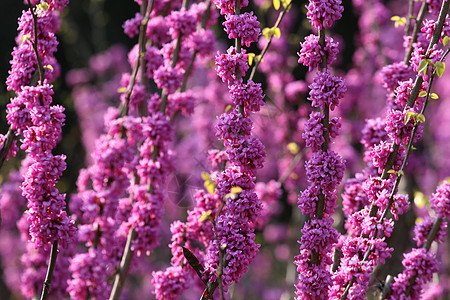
pixel 326 90
pixel 131 26
pixel 244 26
pixel 440 201
pixel 226 64
pixel 311 53
pixel 324 13
pixel 227 6
pixel 249 95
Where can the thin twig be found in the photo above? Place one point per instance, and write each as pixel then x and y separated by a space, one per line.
pixel 266 47
pixel 50 269
pixel 122 273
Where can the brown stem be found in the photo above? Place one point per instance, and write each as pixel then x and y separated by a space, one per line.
pixel 263 52
pixel 419 20
pixel 35 44
pixel 50 269
pixel 173 63
pixel 121 275
pixel 142 46
pixel 410 17
pixel 194 55
pixel 9 139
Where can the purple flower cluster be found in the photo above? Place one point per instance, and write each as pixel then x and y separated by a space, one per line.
pixel 226 64
pixel 311 53
pixel 323 13
pixel 326 90
pixel 325 169
pixel 352 266
pixel 420 265
pixel 31 115
pixel 234 247
pixel 244 27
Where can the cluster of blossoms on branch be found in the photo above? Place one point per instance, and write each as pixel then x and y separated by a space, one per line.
pixel 120 200
pixel 31 116
pixel 325 169
pixel 223 220
pixel 117 211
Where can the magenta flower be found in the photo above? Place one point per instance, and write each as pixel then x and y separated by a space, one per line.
pixel 440 201
pixel 131 26
pixel 244 27
pixel 227 6
pixel 311 53
pixel 420 265
pixel 324 13
pixel 226 64
pixel 326 90
pixel 168 78
pixel 249 95
pixel 325 170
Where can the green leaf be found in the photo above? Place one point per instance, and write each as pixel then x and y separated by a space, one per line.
pixel 286 3
pixel 434 96
pixel 251 56
pixel 122 89
pixel 276 32
pixel 42 6
pixel 276 4
pixel 50 67
pixel 266 32
pixel 400 173
pixel 420 118
pixel 408 116
pixel 25 37
pixel 205 215
pixel 391 172
pixel 440 68
pixel 399 21
pixel 423 66
pixel 293 148
pixel 445 41
pixel 422 94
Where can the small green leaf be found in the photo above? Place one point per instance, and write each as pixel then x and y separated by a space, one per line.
pixel 50 67
pixel 445 40
pixel 399 21
pixel 25 37
pixel 228 108
pixel 422 94
pixel 423 66
pixel 205 176
pixel 286 3
pixel 276 32
pixel 251 56
pixel 420 118
pixel 276 4
pixel 205 215
pixel 408 116
pixel 413 148
pixel 42 6
pixel 391 172
pixel 400 173
pixel 266 32
pixel 440 68
pixel 434 96
pixel 122 89
pixel 293 148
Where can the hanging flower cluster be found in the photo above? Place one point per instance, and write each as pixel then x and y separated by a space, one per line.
pixel 325 169
pixel 234 247
pixel 32 115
